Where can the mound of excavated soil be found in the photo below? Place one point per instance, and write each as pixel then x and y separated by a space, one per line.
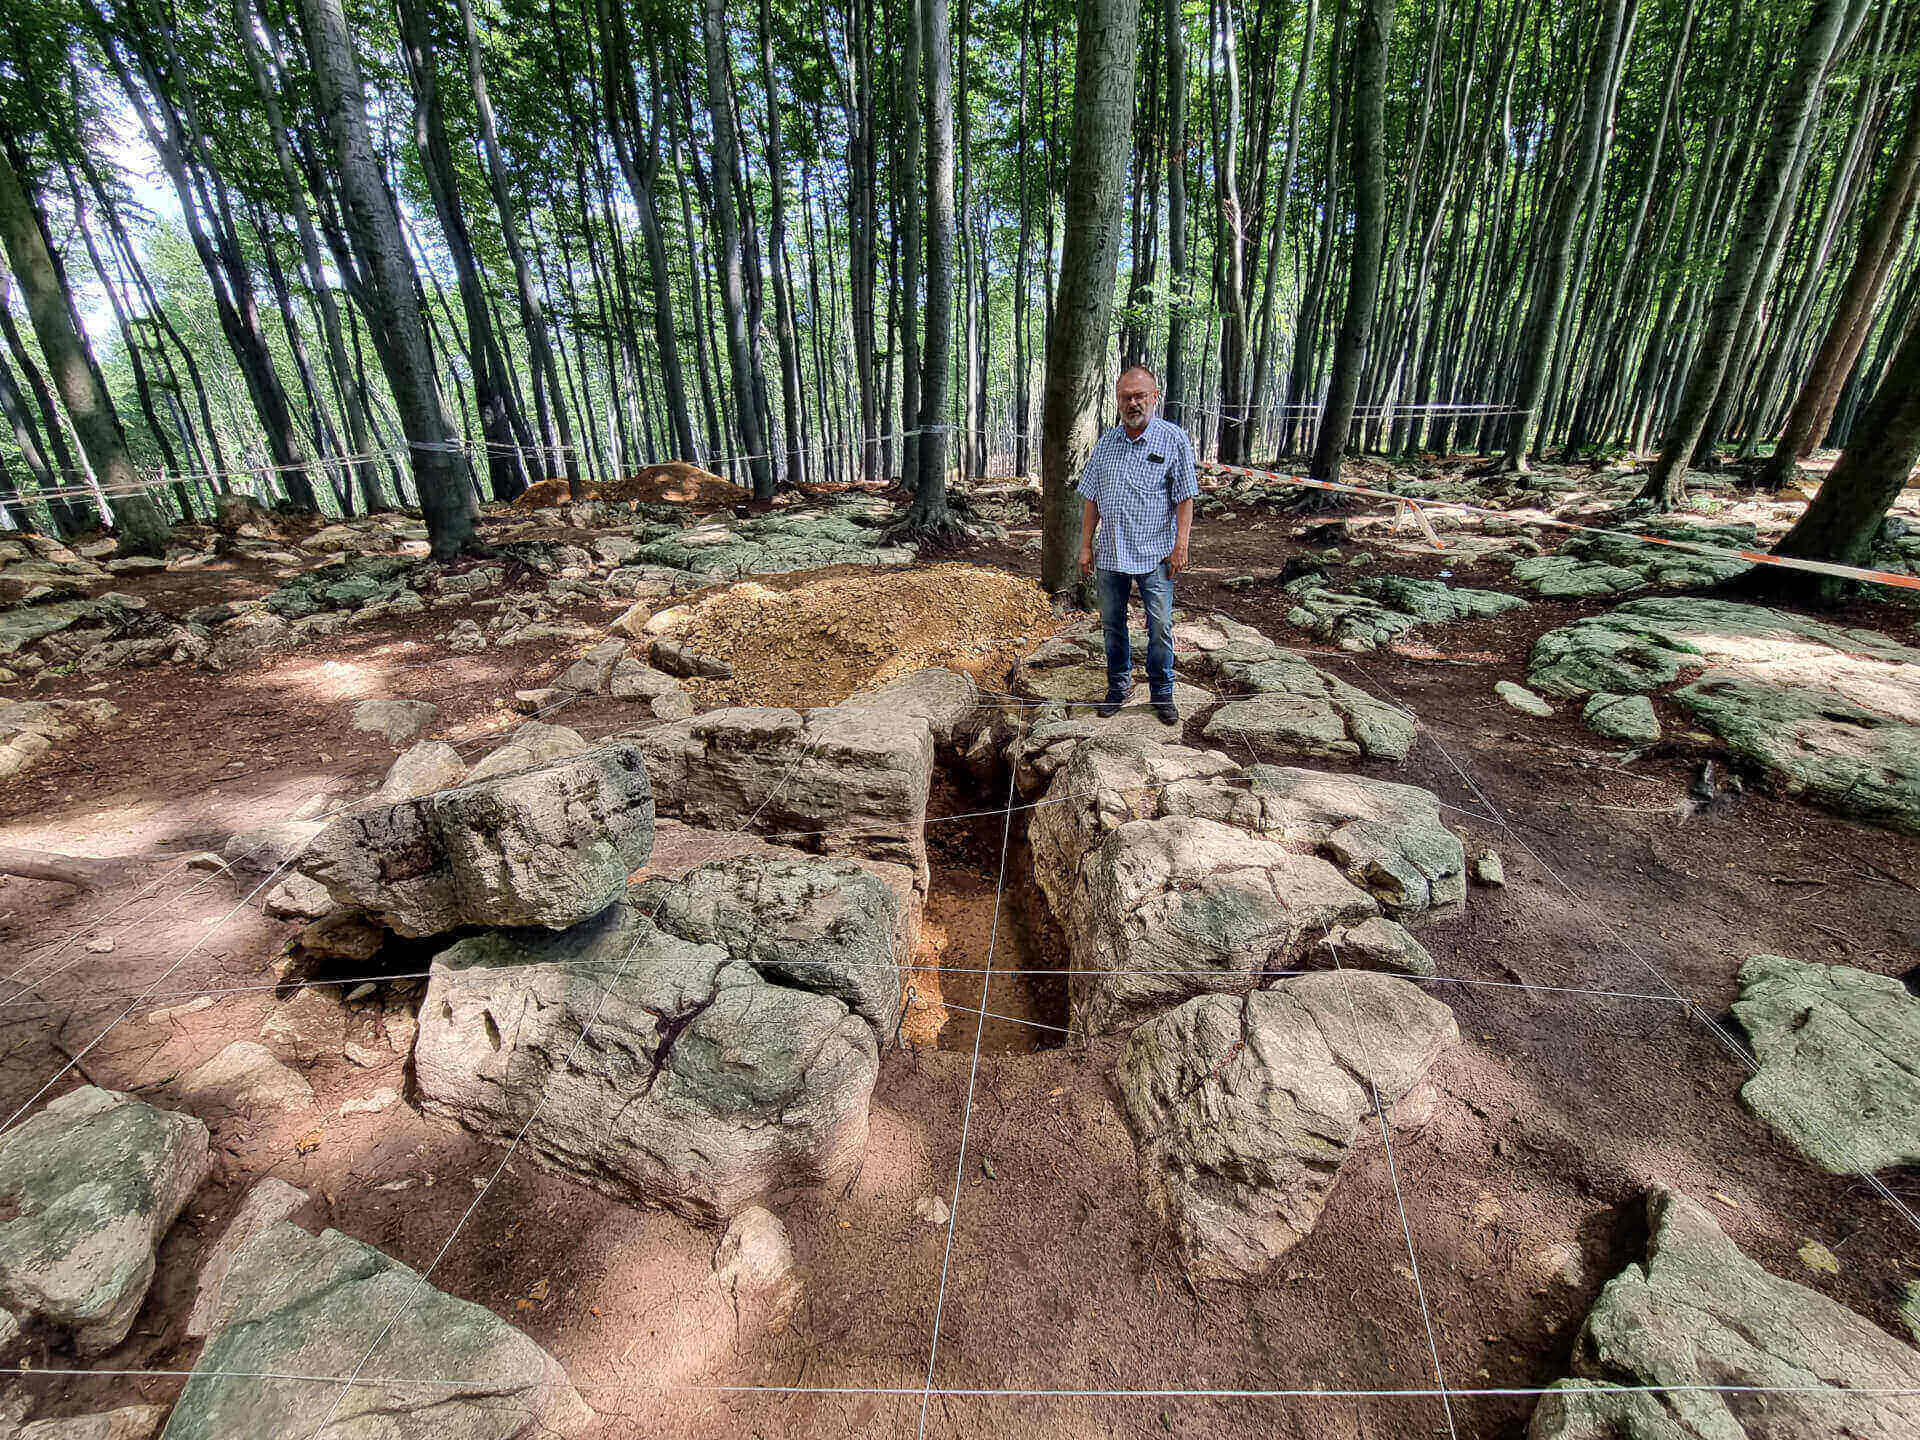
pixel 678 483
pixel 543 493
pixel 817 642
pixel 673 483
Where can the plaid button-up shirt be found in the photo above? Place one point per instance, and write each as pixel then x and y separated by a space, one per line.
pixel 1136 485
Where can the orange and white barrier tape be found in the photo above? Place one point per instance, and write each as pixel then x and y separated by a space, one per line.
pixel 1417 508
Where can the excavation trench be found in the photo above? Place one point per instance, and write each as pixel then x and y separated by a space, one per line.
pixel 980 936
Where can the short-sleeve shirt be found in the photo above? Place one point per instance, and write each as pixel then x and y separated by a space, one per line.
pixel 1136 485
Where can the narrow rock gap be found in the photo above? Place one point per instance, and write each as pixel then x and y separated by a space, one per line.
pixel 957 930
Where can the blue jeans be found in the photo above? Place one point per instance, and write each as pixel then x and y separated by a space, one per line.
pixel 1156 594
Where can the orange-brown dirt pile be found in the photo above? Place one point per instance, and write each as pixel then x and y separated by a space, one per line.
pixel 819 642
pixel 673 483
pixel 543 493
pixel 678 483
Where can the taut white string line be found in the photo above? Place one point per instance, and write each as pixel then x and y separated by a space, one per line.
pixel 966 1117
pixel 1740 1052
pixel 1406 1225
pixel 73 1062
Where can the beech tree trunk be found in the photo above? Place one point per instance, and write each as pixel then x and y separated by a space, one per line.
pixel 1549 292
pixel 733 285
pixel 929 509
pixel 1787 138
pixel 390 282
pixel 1847 331
pixel 1371 27
pixel 1844 517
pixel 143 531
pixel 1078 381
pixel 556 429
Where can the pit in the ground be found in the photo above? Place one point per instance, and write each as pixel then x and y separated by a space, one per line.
pixel 980 937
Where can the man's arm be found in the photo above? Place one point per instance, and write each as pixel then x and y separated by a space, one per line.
pixel 1186 485
pixel 1089 520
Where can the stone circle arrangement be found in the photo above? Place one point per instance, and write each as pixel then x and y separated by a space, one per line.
pixel 1243 930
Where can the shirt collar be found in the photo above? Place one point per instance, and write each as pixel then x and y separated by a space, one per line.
pixel 1144 433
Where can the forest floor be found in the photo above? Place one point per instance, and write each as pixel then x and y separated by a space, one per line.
pixel 1579 1078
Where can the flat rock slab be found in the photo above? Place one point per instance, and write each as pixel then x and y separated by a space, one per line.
pixel 1387 838
pixel 1698 1312
pixel 1086 685
pixel 130 1422
pixel 1591 565
pixel 1208 876
pixel 1839 1053
pixel 1833 714
pixel 1371 612
pixel 30 728
pixel 722 1065
pixel 848 779
pixel 777 544
pixel 1167 909
pixel 91 1184
pixel 1295 709
pixel 398 722
pixel 549 846
pixel 1243 1107
pixel 243 1077
pixel 297 1304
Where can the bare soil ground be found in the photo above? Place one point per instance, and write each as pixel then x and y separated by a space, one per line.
pixel 1580 1077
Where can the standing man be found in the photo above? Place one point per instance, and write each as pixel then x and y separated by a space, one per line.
pixel 1138 488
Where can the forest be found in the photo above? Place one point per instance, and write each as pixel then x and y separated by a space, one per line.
pixel 575 861
pixel 355 255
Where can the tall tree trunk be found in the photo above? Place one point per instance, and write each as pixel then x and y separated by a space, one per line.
pixel 1372 26
pixel 1841 522
pixel 1022 276
pixel 1077 378
pixel 1174 38
pixel 1223 67
pixel 1850 325
pixel 733 288
pixel 1549 291
pixel 1786 142
pixel 929 509
pixel 143 531
pixel 353 402
pixel 556 428
pixel 177 138
pixel 913 167
pixel 391 284
pixel 490 384
pixel 791 407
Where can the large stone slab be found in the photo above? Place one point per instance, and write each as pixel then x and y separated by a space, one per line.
pixel 847 779
pixel 1243 1107
pixel 1167 909
pixel 1374 611
pixel 295 1304
pixel 1832 713
pixel 90 1184
pixel 1387 838
pixel 1590 565
pixel 549 846
pixel 1839 1053
pixel 712 1076
pixel 1295 708
pixel 1696 1314
pixel 30 728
